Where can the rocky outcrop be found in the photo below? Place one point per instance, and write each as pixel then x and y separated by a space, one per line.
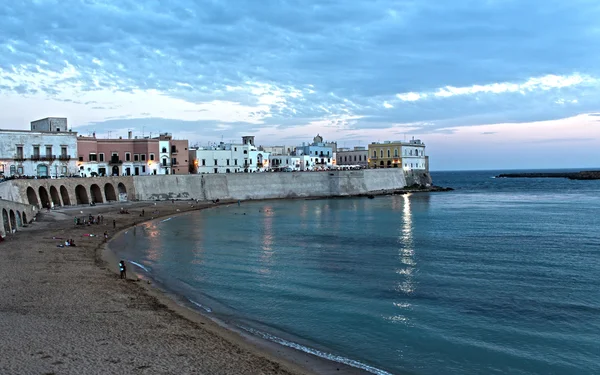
pixel 583 175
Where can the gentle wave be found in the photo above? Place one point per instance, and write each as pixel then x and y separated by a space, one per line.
pixel 318 353
pixel 139 265
pixel 167 219
pixel 205 308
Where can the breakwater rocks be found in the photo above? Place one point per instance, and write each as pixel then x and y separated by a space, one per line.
pixel 583 175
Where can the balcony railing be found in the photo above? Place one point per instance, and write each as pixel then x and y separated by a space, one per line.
pixel 35 157
pixel 115 161
pixel 174 151
pixel 64 157
pixel 19 157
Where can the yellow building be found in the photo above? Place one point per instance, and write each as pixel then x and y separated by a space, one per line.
pixel 385 155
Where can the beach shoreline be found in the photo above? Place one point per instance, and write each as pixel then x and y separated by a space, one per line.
pixel 66 311
pixel 179 304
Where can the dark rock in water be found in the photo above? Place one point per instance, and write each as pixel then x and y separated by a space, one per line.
pixel 370 196
pixel 583 175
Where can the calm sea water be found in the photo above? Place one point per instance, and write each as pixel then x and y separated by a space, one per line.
pixel 499 276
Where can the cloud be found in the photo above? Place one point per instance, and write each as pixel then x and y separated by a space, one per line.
pixel 369 67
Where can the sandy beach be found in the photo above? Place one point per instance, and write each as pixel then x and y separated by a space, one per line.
pixel 64 310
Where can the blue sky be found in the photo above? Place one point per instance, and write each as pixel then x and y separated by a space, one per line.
pixel 485 84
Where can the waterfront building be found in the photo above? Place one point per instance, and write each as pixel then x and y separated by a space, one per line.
pixel 232 158
pixel 397 154
pixel 278 150
pixel 50 124
pixel 131 156
pixel 321 154
pixel 38 153
pixel 356 156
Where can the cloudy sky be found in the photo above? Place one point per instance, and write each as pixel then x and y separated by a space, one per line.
pixel 484 83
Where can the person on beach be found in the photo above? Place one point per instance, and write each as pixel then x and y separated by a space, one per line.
pixel 143 212
pixel 122 270
pixel 114 224
pixel 105 236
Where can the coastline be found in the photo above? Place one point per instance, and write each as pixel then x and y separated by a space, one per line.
pixel 295 358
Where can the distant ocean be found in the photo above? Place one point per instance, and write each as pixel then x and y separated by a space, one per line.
pixel 500 276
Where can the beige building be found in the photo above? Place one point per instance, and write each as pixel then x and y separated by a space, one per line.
pixel 397 154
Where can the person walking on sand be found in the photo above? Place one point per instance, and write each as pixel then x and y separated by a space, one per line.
pixel 143 212
pixel 114 224
pixel 105 236
pixel 122 270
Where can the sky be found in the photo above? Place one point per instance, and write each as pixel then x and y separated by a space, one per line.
pixel 485 84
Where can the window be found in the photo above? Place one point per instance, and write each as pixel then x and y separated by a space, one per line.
pixel 100 157
pixel 250 161
pixel 36 151
pixel 227 161
pixel 151 156
pixel 234 161
pixel 128 157
pixel 64 170
pixel 143 157
pixel 203 161
pixel 173 148
pixel 354 157
pixel 174 161
pixel 381 153
pixel 20 152
pixel 92 157
pixel 13 170
pixel 396 152
pixel 389 153
pixel 63 150
pixel 245 151
pixel 235 149
pixel 216 162
pixel 20 170
pixel 345 158
pixel 216 170
pixel 48 151
pixel 143 169
pixel 164 162
pixel 374 153
pixel 164 149
pixel 81 158
pixel 136 157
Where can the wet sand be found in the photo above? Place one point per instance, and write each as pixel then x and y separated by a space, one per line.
pixel 65 310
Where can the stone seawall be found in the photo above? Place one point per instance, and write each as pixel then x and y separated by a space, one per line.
pixel 274 185
pixel 83 191
pixel 14 216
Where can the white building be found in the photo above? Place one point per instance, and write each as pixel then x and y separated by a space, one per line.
pixel 37 153
pixel 413 155
pixel 232 158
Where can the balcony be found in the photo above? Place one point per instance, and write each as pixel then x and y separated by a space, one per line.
pixel 115 161
pixel 64 157
pixel 48 157
pixel 174 151
pixel 35 157
pixel 19 157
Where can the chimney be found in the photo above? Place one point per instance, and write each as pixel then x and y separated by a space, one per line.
pixel 129 134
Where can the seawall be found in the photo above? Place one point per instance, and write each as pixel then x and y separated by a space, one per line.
pixel 63 192
pixel 274 185
pixel 14 216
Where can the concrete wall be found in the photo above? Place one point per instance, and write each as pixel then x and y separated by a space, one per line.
pixel 272 185
pixel 67 191
pixel 14 215
pixel 74 191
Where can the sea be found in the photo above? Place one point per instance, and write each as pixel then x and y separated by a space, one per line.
pixel 499 276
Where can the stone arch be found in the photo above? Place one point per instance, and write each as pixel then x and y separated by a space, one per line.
pixel 5 221
pixel 96 194
pixel 109 192
pixel 19 219
pixel 81 195
pixel 54 195
pixel 64 193
pixel 32 197
pixel 13 220
pixel 44 197
pixel 25 218
pixel 122 191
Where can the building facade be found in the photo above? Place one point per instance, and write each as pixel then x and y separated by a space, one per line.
pixel 37 153
pixel 232 158
pixel 132 156
pixel 355 157
pixel 50 124
pixel 321 153
pixel 407 155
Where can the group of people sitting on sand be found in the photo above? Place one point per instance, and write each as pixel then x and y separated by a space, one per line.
pixel 124 211
pixel 89 220
pixel 68 243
